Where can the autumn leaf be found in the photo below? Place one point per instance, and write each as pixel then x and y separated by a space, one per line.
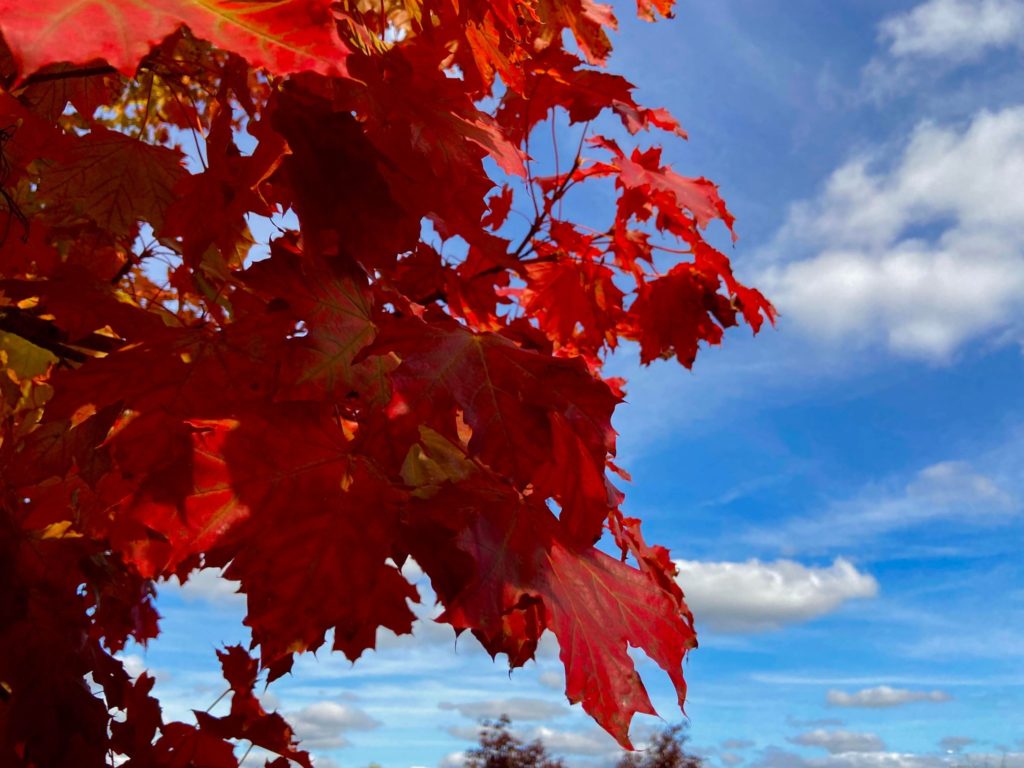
pixel 596 606
pixel 282 35
pixel 113 180
pixel 504 392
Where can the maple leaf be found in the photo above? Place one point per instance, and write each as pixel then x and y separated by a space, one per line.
pixel 210 207
pixel 676 312
pixel 504 392
pixel 282 35
pixel 86 94
pixel 114 180
pixel 564 295
pixel 184 503
pixel 595 605
pixel 642 171
pixel 308 498
pixel 559 79
pixel 337 316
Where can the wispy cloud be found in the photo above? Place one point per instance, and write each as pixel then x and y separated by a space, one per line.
pixel 817 680
pixel 936 38
pixel 774 757
pixel 883 696
pixel 516 709
pixel 954 29
pixel 949 490
pixel 323 725
pixel 838 742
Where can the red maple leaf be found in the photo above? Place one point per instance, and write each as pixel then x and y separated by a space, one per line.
pixel 284 36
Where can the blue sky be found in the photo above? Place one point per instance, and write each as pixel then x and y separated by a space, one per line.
pixel 844 493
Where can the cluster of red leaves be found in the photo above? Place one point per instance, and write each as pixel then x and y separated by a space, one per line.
pixel 310 419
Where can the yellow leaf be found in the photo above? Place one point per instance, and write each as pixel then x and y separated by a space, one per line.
pixel 61 530
pixel 24 358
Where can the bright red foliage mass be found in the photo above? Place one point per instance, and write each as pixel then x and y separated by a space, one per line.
pixel 311 417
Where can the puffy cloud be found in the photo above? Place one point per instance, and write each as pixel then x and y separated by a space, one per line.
pixel 210 586
pixel 923 256
pixel 883 696
pixel 453 760
pixel 755 595
pixel 321 725
pixel 516 709
pixel 838 742
pixel 134 665
pixel 954 29
pixel 257 758
pixel 591 742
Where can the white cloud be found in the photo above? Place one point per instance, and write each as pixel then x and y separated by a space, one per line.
pixel 552 679
pixel 134 665
pixel 210 586
pixel 517 709
pixel 839 742
pixel 883 696
pixel 257 758
pixel 955 482
pixel 453 760
pixel 948 490
pixel 753 596
pixel 786 678
pixel 797 722
pixel 954 29
pixel 591 742
pixel 465 732
pixel 773 757
pixel 905 760
pixel 321 725
pixel 924 256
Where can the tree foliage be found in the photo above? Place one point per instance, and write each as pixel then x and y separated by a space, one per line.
pixel 500 748
pixel 665 750
pixel 307 416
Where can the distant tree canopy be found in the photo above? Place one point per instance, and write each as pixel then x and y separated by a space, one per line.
pixel 664 751
pixel 500 748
